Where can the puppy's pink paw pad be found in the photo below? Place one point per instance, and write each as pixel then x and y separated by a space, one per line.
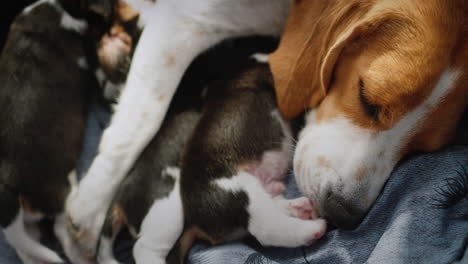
pixel 305 215
pixel 301 208
pixel 317 236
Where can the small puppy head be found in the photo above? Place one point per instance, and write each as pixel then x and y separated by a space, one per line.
pixel 385 77
pixel 114 50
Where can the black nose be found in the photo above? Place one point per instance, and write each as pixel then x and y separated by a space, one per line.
pixel 342 213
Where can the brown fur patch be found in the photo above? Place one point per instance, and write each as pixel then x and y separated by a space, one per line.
pixel 361 173
pixel 171 60
pixel 322 161
pixel 188 238
pixel 26 205
pixel 119 218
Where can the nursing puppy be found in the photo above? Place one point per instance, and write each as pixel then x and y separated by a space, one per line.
pixel 155 173
pixel 44 82
pixel 115 48
pixel 232 175
pixel 175 33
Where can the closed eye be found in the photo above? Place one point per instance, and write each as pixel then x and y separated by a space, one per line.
pixel 371 110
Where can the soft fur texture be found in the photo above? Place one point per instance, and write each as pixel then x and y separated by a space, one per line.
pixel 385 78
pixel 42 113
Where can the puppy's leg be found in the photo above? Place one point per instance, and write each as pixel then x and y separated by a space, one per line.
pixel 169 42
pixel 268 221
pixel 113 225
pixel 106 254
pixel 70 249
pixel 28 248
pixel 160 230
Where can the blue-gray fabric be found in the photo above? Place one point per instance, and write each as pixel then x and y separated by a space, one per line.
pixel 407 224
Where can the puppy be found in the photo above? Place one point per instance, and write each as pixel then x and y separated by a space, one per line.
pixel 174 34
pixel 154 174
pixel 231 175
pixel 156 171
pixel 45 80
pixel 115 48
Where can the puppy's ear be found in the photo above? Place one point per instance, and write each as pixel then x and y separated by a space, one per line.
pixel 103 8
pixel 314 36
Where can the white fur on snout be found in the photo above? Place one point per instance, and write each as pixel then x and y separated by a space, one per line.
pixel 338 154
pixel 70 23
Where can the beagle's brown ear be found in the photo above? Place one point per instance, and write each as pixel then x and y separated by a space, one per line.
pixel 314 36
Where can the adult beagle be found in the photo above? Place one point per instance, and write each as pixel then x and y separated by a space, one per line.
pixel 383 78
pixel 388 75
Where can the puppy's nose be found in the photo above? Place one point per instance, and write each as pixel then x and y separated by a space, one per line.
pixel 342 213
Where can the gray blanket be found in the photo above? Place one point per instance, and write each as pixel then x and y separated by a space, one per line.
pixel 420 217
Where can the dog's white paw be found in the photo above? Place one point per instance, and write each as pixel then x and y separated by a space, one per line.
pixel 85 217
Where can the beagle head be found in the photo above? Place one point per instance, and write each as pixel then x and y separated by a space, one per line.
pixel 382 78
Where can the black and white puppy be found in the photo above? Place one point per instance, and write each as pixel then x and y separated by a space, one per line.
pixel 156 172
pixel 232 175
pixel 175 33
pixel 44 83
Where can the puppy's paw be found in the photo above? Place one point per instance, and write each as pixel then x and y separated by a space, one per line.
pixel 316 230
pixel 84 219
pixel 301 208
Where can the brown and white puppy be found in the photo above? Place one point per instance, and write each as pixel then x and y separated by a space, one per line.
pixel 156 172
pixel 43 96
pixel 383 78
pixel 232 174
pixel 175 33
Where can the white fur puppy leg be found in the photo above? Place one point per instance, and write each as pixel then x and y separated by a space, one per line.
pixel 160 230
pixel 269 221
pixel 29 250
pixel 70 249
pixel 106 254
pixel 168 44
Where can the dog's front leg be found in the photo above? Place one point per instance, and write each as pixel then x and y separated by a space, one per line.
pixel 168 44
